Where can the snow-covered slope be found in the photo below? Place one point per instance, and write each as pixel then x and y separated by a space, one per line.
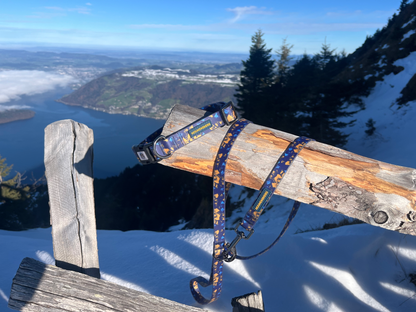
pixel 395 127
pixel 352 268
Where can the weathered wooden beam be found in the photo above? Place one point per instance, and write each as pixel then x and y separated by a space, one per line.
pixel 375 192
pixel 40 287
pixel 68 162
pixel 248 303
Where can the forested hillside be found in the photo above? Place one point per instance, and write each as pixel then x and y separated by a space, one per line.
pixel 124 93
pixel 319 95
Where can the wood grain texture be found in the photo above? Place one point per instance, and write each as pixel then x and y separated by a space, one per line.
pixel 248 303
pixel 40 287
pixel 68 162
pixel 377 193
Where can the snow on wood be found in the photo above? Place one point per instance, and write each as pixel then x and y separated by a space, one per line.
pixel 375 192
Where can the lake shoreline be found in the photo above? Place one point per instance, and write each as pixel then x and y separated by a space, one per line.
pixel 15 115
pixel 113 111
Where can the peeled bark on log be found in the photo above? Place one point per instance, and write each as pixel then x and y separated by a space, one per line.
pixel 375 192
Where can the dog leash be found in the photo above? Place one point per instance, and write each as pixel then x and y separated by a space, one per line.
pixel 227 251
pixel 157 147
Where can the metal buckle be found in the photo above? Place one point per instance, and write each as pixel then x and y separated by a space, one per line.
pixel 143 154
pixel 224 116
pixel 159 138
pixel 231 252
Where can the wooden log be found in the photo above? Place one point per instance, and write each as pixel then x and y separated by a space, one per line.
pixel 68 162
pixel 375 192
pixel 40 287
pixel 248 303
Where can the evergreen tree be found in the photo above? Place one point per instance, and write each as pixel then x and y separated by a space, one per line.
pixel 256 77
pixel 323 100
pixel 283 67
pixel 4 169
pixel 280 109
pixel 12 199
pixel 325 56
pixel 403 5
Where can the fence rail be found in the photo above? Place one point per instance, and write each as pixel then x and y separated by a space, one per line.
pixel 375 192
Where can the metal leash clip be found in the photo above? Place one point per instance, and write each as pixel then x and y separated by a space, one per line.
pixel 230 252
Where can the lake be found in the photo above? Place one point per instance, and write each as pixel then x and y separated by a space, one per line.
pixel 22 142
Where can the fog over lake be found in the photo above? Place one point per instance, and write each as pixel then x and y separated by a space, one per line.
pixel 22 142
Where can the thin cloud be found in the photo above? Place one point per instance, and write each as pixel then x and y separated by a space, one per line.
pixel 88 3
pixel 79 10
pixel 55 8
pixel 241 12
pixel 171 27
pixel 11 107
pixel 15 83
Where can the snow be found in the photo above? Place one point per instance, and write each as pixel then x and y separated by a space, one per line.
pixel 409 22
pixel 385 46
pixel 166 74
pixel 408 34
pixel 380 62
pixel 389 143
pixel 351 268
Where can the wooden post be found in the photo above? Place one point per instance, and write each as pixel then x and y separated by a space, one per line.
pixel 68 162
pixel 377 193
pixel 41 287
pixel 248 303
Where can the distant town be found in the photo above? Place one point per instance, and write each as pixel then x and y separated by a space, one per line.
pixel 166 74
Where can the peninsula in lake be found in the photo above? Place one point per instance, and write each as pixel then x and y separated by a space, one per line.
pixel 15 114
pixel 152 92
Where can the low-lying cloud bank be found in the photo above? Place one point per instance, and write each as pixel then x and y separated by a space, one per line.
pixel 10 107
pixel 15 83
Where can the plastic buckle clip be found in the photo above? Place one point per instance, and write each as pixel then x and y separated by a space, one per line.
pixel 224 116
pixel 143 153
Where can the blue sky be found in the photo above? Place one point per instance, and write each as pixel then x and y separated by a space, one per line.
pixel 214 26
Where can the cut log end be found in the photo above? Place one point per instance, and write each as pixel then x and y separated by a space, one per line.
pixel 248 303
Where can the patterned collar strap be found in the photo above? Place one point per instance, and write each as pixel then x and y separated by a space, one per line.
pixel 157 147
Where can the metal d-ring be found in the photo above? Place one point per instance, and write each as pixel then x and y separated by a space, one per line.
pixel 159 138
